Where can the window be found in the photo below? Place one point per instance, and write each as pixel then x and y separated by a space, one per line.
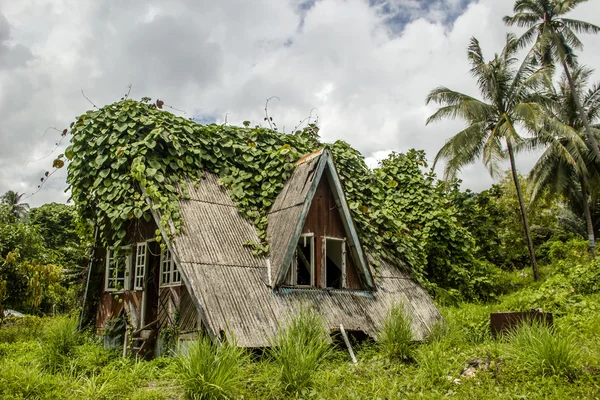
pixel 169 273
pixel 335 262
pixel 117 270
pixel 140 266
pixel 303 263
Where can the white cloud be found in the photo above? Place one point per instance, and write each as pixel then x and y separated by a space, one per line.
pixel 366 76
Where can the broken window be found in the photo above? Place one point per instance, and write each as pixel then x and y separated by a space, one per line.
pixel 117 270
pixel 335 262
pixel 169 273
pixel 303 263
pixel 140 266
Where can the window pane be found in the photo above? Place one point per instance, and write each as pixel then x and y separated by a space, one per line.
pixel 140 266
pixel 176 274
pixel 165 267
pixel 304 262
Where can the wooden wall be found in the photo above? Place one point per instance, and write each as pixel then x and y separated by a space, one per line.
pixel 324 219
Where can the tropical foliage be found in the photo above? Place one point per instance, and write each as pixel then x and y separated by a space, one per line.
pixel 39 257
pixel 492 123
pixel 13 201
pixel 555 41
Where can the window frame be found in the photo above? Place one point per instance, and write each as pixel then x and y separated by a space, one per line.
pixel 140 267
pixel 294 265
pixel 127 272
pixel 344 284
pixel 173 269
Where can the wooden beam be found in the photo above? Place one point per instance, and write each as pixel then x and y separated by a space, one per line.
pixel 345 336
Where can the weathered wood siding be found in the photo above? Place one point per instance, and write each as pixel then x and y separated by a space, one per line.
pixel 324 220
pixel 112 304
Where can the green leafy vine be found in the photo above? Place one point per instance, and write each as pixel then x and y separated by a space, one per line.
pixel 129 151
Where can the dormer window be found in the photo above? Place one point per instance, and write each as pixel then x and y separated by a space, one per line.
pixel 303 263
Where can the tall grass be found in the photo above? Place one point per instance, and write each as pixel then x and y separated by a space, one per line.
pixel 299 350
pixel 539 349
pixel 435 362
pixel 59 341
pixel 395 336
pixel 211 370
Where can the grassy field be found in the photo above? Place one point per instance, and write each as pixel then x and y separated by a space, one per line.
pixel 42 358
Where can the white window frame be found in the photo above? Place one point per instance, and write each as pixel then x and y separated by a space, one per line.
pixel 127 272
pixel 174 274
pixel 344 284
pixel 294 266
pixel 141 263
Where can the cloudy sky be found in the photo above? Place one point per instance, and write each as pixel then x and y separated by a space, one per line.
pixel 365 66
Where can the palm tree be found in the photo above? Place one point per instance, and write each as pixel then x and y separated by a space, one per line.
pixel 491 123
pixel 13 200
pixel 555 41
pixel 566 167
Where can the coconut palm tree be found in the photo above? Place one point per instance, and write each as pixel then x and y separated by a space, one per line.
pixel 491 122
pixel 566 167
pixel 555 40
pixel 13 200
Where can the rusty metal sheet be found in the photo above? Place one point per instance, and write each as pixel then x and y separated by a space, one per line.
pixel 503 322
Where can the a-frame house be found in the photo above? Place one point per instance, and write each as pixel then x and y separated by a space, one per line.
pixel 208 279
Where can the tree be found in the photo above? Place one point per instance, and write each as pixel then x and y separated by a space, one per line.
pixel 13 199
pixel 491 123
pixel 555 41
pixel 566 166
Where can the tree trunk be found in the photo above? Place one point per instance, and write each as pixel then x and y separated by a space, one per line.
pixel 593 143
pixel 588 217
pixel 513 168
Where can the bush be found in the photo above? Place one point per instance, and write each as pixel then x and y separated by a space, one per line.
pixel 395 336
pixel 59 342
pixel 299 350
pixel 210 370
pixel 14 329
pixel 541 350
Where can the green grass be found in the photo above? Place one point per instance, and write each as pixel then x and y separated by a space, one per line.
pixel 533 362
pixel 395 336
pixel 542 350
pixel 59 340
pixel 300 348
pixel 208 370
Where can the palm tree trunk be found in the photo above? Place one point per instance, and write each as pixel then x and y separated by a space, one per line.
pixel 513 168
pixel 593 143
pixel 588 217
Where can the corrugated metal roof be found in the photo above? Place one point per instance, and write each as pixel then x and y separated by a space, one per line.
pixel 237 301
pixel 208 190
pixel 213 230
pixel 231 286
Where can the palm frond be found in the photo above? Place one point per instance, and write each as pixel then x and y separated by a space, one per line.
pixel 461 149
pixel 580 26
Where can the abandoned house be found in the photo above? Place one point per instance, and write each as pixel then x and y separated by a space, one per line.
pixel 207 279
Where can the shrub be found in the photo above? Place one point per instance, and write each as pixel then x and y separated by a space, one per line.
pixel 395 336
pixel 541 350
pixel 299 350
pixel 59 342
pixel 14 329
pixel 209 370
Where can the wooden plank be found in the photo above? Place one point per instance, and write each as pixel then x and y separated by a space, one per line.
pixel 345 336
